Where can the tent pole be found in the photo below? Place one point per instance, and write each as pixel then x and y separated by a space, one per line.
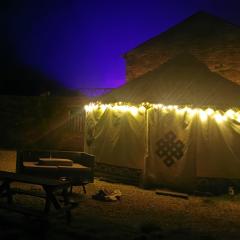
pixel 84 129
pixel 146 156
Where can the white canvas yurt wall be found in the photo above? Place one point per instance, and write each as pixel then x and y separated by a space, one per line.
pixel 116 137
pixel 171 145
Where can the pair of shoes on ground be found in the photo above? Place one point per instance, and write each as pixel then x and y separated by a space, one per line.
pixel 107 195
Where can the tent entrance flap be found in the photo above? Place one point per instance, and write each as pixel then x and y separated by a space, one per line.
pixel 170 159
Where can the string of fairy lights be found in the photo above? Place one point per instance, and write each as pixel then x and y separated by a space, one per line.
pixel 203 113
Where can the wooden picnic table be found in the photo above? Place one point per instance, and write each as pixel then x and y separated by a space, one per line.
pixel 50 187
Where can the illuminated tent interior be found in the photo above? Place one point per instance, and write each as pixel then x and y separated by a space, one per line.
pixel 177 124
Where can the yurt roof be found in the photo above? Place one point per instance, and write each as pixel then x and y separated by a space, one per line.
pixel 183 80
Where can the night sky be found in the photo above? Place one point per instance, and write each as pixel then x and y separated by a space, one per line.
pixel 80 43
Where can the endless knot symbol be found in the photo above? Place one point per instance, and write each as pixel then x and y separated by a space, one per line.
pixel 169 148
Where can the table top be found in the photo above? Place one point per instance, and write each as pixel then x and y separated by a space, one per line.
pixel 25 178
pixel 55 162
pixel 54 159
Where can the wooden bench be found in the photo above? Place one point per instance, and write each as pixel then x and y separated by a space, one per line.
pixel 50 188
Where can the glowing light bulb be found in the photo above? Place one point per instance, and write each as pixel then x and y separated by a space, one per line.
pixel 209 111
pixel 191 112
pixel 134 111
pixel 203 115
pixel 180 110
pixel 170 107
pixel 220 118
pixel 86 108
pixel 238 118
pixel 90 107
pixel 142 108
pixel 230 113
pixel 164 108
pixel 103 107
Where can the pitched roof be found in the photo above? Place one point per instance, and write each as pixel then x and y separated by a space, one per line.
pixel 194 28
pixel 183 80
pixel 211 39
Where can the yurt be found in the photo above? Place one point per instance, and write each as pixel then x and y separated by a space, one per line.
pixel 176 125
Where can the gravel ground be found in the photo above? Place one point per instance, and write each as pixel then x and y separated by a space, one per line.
pixel 139 215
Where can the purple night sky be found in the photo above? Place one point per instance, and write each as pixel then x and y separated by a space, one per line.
pixel 80 43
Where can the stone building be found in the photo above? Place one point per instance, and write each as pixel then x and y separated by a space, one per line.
pixel 211 39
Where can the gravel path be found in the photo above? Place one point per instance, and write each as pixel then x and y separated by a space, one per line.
pixel 139 215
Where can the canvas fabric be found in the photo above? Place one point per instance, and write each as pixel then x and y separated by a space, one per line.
pixel 116 138
pixel 171 150
pixel 209 149
pixel 182 80
pixel 217 151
